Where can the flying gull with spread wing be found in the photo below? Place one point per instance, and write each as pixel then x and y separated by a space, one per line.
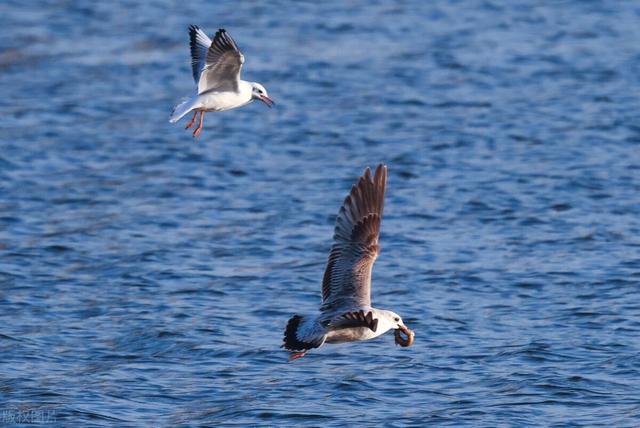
pixel 216 69
pixel 346 314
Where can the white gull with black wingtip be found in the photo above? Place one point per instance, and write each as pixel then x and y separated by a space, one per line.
pixel 346 314
pixel 216 69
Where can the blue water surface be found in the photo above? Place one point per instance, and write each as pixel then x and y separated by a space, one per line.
pixel 146 277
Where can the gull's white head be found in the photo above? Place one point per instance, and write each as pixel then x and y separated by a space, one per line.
pixel 260 93
pixel 394 319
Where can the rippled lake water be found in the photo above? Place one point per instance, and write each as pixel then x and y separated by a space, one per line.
pixel 145 278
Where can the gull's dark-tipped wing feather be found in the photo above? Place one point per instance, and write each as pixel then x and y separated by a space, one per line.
pixel 355 319
pixel 347 278
pixel 199 44
pixel 216 64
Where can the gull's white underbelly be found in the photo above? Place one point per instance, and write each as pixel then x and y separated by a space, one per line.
pixel 220 101
pixel 352 334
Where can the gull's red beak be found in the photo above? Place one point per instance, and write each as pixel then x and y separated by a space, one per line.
pixel 268 101
pixel 401 340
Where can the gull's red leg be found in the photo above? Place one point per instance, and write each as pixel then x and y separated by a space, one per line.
pixel 199 128
pixel 193 120
pixel 297 355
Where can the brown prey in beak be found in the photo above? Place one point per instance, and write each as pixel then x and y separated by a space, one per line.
pixel 408 341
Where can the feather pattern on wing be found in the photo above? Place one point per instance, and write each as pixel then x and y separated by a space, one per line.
pixel 223 63
pixel 347 278
pixel 355 319
pixel 199 44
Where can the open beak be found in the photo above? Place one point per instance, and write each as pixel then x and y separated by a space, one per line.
pixel 402 341
pixel 268 101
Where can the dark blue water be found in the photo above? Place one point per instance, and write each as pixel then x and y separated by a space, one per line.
pixel 145 278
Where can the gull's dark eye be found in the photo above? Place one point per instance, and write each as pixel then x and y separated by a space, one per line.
pixel 396 319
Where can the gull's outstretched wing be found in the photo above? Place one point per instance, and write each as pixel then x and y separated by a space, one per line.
pixel 347 278
pixel 199 44
pixel 216 64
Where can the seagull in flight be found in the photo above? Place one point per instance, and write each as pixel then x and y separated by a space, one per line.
pixel 216 70
pixel 346 314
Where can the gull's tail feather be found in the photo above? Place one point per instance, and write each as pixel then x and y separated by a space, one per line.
pixel 302 334
pixel 183 108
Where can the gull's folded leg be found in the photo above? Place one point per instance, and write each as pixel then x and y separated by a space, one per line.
pixel 199 128
pixel 193 120
pixel 297 355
